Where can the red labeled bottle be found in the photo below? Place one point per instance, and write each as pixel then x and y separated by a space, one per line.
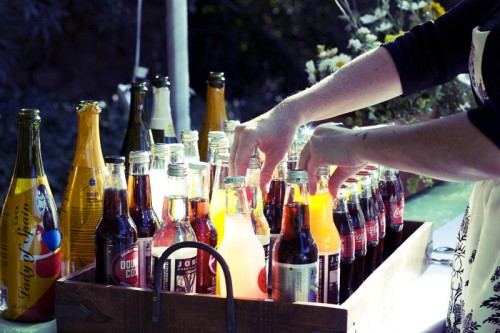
pixel 274 198
pixel 202 224
pixel 343 222
pixel 115 236
pixel 379 202
pixel 358 223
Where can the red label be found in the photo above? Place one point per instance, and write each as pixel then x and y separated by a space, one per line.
pixel 381 227
pixel 360 238
pixel 347 246
pixel 397 214
pixel 371 230
pixel 263 280
pixel 125 267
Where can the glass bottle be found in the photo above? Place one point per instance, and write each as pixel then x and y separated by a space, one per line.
pixel 82 201
pixel 115 237
pixel 393 204
pixel 255 203
pixel 175 228
pixel 137 136
pixel 343 222
pixel 142 212
pixel 274 198
pixel 327 239
pixel 160 158
pixel 177 154
pixel 217 145
pixel 30 241
pixel 240 247
pixel 377 198
pixel 161 125
pixel 358 223
pixel 229 128
pixel 202 225
pixel 370 212
pixel 295 254
pixel 215 113
pixel 190 141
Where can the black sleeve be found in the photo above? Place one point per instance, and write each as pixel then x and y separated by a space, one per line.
pixel 435 52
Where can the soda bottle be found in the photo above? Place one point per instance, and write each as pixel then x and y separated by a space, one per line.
pixel 115 237
pixel 190 141
pixel 161 125
pixel 202 225
pixel 358 223
pixel 295 254
pixel 273 201
pixel 160 158
pixel 229 128
pixel 327 239
pixel 379 202
pixel 343 222
pixel 215 113
pixel 81 207
pixel 142 212
pixel 255 203
pixel 177 154
pixel 370 213
pixel 217 145
pixel 240 247
pixel 30 241
pixel 179 272
pixel 393 203
pixel 212 135
pixel 137 136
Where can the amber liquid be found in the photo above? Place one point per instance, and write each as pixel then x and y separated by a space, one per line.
pixel 205 233
pixel 273 204
pixel 141 210
pixel 347 258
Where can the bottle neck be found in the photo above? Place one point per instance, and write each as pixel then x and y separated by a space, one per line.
pixel 88 143
pixel 161 115
pixel 199 185
pixel 115 192
pixel 296 209
pixel 29 156
pixel 221 172
pixel 191 152
pixel 137 109
pixel 139 186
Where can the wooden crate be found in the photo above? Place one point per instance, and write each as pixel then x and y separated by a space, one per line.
pixel 83 306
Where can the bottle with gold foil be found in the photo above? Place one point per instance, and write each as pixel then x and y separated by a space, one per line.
pixel 81 207
pixel 30 238
pixel 215 112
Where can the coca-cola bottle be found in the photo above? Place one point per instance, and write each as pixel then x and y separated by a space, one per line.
pixel 379 202
pixel 370 212
pixel 295 254
pixel 343 222
pixel 394 205
pixel 273 200
pixel 358 222
pixel 115 237
pixel 141 210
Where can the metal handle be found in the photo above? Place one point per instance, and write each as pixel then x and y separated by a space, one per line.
pixel 230 317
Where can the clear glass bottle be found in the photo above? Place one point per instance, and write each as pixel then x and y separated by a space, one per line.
pixel 377 198
pixel 82 202
pixel 160 158
pixel 190 141
pixel 115 237
pixel 177 154
pixel 175 228
pixel 202 224
pixel 275 196
pixel 161 125
pixel 137 136
pixel 295 254
pixel 217 146
pixel 240 247
pixel 215 113
pixel 142 212
pixel 229 128
pixel 327 239
pixel 30 241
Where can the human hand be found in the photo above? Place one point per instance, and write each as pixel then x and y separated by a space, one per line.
pixel 331 145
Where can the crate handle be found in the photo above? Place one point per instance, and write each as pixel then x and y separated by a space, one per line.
pixel 230 321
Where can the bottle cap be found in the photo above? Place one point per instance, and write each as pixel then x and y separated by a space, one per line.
pixel 138 156
pixel 198 165
pixel 177 170
pixel 219 142
pixel 363 173
pixel 213 134
pixel 161 149
pixel 254 163
pixel 224 157
pixel 230 125
pixel 115 159
pixel 234 179
pixel 29 115
pixel 176 152
pixel 296 176
pixel 324 170
pixel 216 79
pixel 351 180
pixel 88 105
pixel 161 81
pixel 189 136
pixel 139 86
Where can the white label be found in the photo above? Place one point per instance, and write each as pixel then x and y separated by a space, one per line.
pixel 328 277
pixel 295 282
pixel 145 268
pixel 179 271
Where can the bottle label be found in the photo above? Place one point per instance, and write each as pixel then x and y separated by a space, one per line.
pixel 30 250
pixel 124 267
pixel 295 282
pixel 360 239
pixel 265 241
pixel 328 277
pixel 347 247
pixel 397 214
pixel 371 231
pixel 179 274
pixel 145 267
pixel 381 227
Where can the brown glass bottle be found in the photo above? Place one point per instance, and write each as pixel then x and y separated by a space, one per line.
pixel 202 225
pixel 274 198
pixel 115 237
pixel 215 113
pixel 142 213
pixel 295 254
pixel 343 222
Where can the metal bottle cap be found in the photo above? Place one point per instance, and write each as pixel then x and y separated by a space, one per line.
pixel 138 156
pixel 234 179
pixel 296 176
pixel 177 170
pixel 189 136
pixel 115 159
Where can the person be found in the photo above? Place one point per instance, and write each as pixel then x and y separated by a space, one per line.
pixel 460 147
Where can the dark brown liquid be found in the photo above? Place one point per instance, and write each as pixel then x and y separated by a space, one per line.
pixel 343 222
pixel 205 233
pixel 273 204
pixel 140 207
pixel 390 197
pixel 358 223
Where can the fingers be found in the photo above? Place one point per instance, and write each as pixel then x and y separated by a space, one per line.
pixel 338 177
pixel 241 151
pixel 307 163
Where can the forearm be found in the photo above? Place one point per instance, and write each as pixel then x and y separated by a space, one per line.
pixel 367 80
pixel 450 149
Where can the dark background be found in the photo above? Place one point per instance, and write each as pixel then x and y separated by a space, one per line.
pixel 54 53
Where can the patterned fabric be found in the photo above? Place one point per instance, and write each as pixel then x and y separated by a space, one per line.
pixel 475 283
